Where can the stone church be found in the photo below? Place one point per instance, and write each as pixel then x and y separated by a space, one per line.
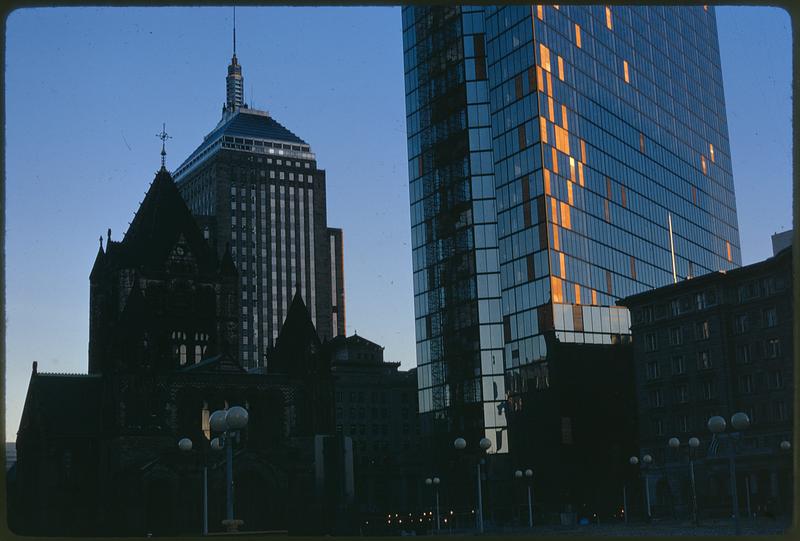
pixel 98 453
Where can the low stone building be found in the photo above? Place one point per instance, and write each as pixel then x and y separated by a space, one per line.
pixel 715 345
pixel 376 406
pixel 97 453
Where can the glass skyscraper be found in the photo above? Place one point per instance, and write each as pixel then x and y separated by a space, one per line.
pixel 560 158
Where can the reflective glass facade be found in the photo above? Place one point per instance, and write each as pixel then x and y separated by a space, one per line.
pixel 454 222
pixel 605 123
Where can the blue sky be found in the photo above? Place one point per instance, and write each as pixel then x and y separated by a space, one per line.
pixel 87 89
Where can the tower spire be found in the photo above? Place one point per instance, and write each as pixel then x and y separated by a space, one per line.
pixel 234 82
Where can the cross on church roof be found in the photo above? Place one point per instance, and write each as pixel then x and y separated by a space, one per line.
pixel 163 136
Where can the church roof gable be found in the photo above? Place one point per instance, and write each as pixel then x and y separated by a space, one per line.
pixel 157 227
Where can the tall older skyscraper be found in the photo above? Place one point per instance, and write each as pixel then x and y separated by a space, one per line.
pixel 254 185
pixel 556 154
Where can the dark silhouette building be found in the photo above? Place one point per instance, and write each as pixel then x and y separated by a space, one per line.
pixel 376 406
pixel 97 452
pixel 716 345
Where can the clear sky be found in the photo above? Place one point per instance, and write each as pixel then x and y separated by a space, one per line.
pixel 87 89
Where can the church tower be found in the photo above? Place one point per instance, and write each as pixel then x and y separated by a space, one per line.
pixel 160 298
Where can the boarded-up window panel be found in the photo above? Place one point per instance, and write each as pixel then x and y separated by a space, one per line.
pixel 531 79
pixel 526 188
pixel 521 136
pixel 526 211
pixel 544 315
pixel 478 45
pixel 480 68
pixel 543 237
pixel 541 208
pixel 577 311
pixel 518 86
pixel 531 269
pixel 566 222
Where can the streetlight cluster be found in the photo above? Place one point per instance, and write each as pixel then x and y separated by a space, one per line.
pixel 228 423
pixel 717 426
pixel 528 474
pixel 435 484
pixel 483 445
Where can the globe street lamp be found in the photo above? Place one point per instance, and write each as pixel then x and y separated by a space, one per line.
pixel 785 445
pixel 435 484
pixel 229 422
pixel 529 477
pixel 716 424
pixel 694 443
pixel 647 460
pixel 484 444
pixel 185 445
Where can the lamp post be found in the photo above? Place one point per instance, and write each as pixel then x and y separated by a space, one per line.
pixel 185 445
pixel 529 476
pixel 435 484
pixel 646 461
pixel 229 423
pixel 484 444
pixel 694 443
pixel 716 424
